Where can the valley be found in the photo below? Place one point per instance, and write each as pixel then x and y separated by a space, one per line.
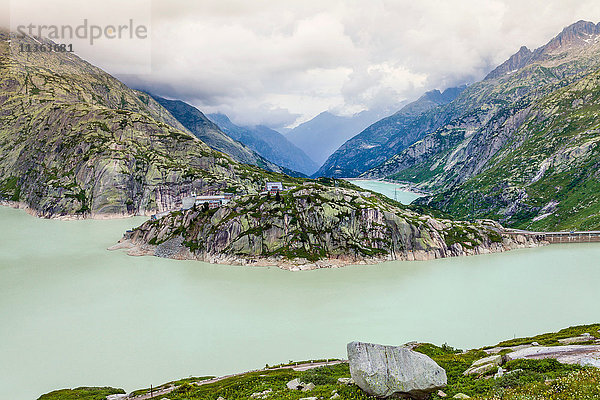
pixel 146 237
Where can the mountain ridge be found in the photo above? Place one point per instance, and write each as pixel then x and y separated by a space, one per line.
pixel 505 116
pixel 574 34
pixel 269 143
pixel 387 136
pixel 322 135
pixel 196 122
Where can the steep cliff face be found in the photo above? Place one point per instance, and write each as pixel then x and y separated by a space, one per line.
pixel 77 142
pixel 475 164
pixel 315 225
pixel 390 135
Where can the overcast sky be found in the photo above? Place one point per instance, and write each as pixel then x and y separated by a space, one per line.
pixel 281 62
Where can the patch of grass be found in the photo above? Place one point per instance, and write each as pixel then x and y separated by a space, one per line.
pixel 82 393
pixel 551 339
pixel 10 189
pixel 579 385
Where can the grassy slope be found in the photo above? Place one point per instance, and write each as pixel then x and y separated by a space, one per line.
pixel 82 393
pixel 505 129
pixel 538 379
pixel 562 138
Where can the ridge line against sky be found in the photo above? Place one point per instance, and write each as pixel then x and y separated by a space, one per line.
pixel 280 63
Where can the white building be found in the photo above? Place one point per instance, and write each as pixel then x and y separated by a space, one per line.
pixel 274 187
pixel 213 201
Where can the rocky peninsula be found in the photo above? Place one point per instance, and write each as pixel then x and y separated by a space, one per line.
pixel 314 226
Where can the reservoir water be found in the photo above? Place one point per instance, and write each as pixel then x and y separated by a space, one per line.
pixel 74 314
pixel 391 190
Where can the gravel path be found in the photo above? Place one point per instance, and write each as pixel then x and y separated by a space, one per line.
pixel 300 367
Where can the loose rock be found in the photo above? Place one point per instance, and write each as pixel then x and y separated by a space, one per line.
pixel 461 396
pixel 383 371
pixel 484 365
pixel 308 387
pixel 296 384
pixel 116 397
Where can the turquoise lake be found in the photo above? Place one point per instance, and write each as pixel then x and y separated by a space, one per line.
pixel 391 190
pixel 74 314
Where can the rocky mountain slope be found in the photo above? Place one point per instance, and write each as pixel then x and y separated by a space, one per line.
pixel 209 133
pixel 522 145
pixel 76 142
pixel 270 144
pixel 325 133
pixel 312 226
pixel 390 135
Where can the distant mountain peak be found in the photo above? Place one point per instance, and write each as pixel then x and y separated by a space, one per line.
pixel 267 142
pixel 444 97
pixel 517 61
pixel 580 33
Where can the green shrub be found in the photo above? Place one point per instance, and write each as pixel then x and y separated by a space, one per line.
pixel 82 393
pixel 541 366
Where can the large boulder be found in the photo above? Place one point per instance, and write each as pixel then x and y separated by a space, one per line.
pixel 385 371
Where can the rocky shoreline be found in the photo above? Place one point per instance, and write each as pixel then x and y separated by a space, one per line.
pixel 314 228
pixel 180 252
pixel 68 217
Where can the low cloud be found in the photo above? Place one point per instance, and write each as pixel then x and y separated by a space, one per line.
pixel 282 62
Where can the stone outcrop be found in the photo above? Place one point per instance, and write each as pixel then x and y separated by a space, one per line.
pixel 585 355
pixel 586 337
pixel 385 371
pixel 484 365
pixel 314 226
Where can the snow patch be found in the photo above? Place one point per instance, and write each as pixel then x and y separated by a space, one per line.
pixel 540 217
pixel 541 172
pixel 547 210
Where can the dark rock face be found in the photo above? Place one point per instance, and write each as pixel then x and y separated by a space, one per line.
pixel 394 371
pixel 515 62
